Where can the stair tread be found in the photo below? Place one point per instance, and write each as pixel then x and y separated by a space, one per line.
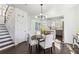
pixel 2 24
pixel 3 27
pixel 5 41
pixel 8 46
pixel 3 31
pixel 4 34
pixel 5 37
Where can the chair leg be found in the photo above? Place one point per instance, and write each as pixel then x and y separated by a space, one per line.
pixel 54 46
pixel 44 51
pixel 30 49
pixel 51 49
pixel 36 48
pixel 39 49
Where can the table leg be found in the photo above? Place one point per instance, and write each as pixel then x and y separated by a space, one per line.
pixel 39 48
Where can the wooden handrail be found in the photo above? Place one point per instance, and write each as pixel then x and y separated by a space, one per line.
pixel 5 14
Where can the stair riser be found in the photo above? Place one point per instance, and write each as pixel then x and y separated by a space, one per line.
pixel 6 47
pixel 5 39
pixel 3 27
pixel 2 44
pixel 2 24
pixel 2 30
pixel 4 33
pixel 4 36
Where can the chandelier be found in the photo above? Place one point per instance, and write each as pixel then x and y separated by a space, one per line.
pixel 41 16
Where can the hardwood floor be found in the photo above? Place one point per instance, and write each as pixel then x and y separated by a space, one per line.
pixel 23 48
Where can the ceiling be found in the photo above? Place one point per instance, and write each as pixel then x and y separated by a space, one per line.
pixel 35 9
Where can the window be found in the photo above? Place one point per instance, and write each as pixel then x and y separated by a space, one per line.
pixel 37 26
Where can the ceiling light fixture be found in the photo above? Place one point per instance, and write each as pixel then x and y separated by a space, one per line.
pixel 41 16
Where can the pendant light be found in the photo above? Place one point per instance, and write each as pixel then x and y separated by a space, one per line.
pixel 41 16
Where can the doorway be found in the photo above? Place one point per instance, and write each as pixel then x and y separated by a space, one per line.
pixel 60 32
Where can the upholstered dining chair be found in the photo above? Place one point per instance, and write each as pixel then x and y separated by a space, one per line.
pixel 47 43
pixel 32 43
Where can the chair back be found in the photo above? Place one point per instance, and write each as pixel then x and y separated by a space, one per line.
pixel 54 35
pixel 48 41
pixel 29 38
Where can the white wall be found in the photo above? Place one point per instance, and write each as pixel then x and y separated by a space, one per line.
pixel 69 24
pixel 77 21
pixel 77 17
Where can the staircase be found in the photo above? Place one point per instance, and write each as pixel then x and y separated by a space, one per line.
pixel 5 38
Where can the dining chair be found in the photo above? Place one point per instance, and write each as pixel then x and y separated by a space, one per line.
pixel 32 43
pixel 47 43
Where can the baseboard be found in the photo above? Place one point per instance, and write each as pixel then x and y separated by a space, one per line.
pixel 16 43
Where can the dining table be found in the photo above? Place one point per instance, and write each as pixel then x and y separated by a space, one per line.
pixel 39 37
